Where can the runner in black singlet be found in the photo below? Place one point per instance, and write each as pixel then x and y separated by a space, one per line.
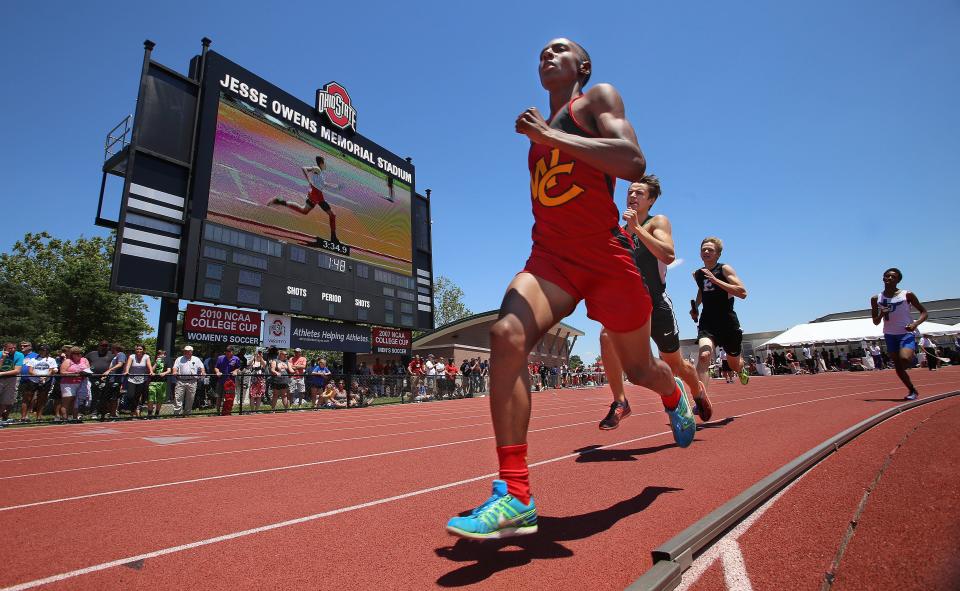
pixel 717 285
pixel 653 250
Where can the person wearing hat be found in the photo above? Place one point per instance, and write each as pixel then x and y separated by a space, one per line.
pixel 186 369
pixel 35 386
pixel 227 365
pixel 298 387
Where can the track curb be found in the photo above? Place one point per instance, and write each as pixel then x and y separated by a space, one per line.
pixel 674 556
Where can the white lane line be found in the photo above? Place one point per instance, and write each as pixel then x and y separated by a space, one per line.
pixel 132 430
pixel 310 432
pixel 326 441
pixel 290 522
pixel 700 564
pixel 343 459
pixel 734 570
pixel 705 560
pixel 289 445
pixel 296 466
pixel 367 422
pixel 579 404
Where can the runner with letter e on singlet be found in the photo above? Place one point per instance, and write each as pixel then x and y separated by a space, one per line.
pixel 717 285
pixel 579 253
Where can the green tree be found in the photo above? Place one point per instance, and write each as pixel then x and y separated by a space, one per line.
pixel 448 303
pixel 67 285
pixel 575 361
pixel 19 314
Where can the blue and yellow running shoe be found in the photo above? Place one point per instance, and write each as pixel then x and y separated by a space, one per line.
pixel 682 423
pixel 503 517
pixel 499 489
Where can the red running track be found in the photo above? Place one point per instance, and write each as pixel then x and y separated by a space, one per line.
pixel 358 499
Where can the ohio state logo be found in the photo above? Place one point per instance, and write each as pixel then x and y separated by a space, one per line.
pixel 278 329
pixel 334 100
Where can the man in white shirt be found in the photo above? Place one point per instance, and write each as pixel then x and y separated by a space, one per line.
pixel 37 387
pixel 930 348
pixel 808 359
pixel 186 370
pixel 877 356
pixel 430 370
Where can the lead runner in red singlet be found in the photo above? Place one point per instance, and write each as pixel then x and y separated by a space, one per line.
pixel 579 253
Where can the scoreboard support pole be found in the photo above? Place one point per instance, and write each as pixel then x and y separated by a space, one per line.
pixel 349 368
pixel 167 326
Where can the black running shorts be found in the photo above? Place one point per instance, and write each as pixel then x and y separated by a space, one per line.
pixel 726 334
pixel 663 326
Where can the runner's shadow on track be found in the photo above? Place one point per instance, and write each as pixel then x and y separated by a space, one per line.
pixel 884 400
pixel 594 453
pixel 489 557
pixel 716 424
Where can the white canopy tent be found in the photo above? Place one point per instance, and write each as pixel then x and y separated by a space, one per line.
pixel 844 331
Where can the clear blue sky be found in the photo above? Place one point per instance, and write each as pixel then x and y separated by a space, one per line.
pixel 820 140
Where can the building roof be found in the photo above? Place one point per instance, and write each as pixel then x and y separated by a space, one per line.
pixel 436 334
pixel 747 336
pixel 941 311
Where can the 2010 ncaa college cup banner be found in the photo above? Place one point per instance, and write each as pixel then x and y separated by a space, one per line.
pixel 213 324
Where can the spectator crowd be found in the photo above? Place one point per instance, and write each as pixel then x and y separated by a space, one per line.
pixel 70 385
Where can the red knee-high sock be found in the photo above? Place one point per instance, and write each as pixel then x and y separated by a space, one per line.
pixel 671 401
pixel 513 470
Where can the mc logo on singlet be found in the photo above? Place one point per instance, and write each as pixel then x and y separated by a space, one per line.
pixel 334 101
pixel 544 178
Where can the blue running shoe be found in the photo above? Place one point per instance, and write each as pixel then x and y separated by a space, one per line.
pixel 682 423
pixel 912 395
pixel 505 517
pixel 499 489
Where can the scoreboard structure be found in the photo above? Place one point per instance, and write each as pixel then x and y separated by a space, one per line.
pixel 238 193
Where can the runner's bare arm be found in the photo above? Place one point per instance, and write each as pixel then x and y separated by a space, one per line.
pixel 912 298
pixel 615 152
pixel 732 285
pixel 875 310
pixel 657 237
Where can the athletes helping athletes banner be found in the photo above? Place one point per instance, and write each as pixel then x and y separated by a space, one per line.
pixel 391 341
pixel 285 332
pixel 213 324
pixel 329 336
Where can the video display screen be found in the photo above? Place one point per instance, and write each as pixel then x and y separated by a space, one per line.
pixel 274 179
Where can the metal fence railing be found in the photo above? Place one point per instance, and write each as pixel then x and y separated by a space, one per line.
pixel 63 398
